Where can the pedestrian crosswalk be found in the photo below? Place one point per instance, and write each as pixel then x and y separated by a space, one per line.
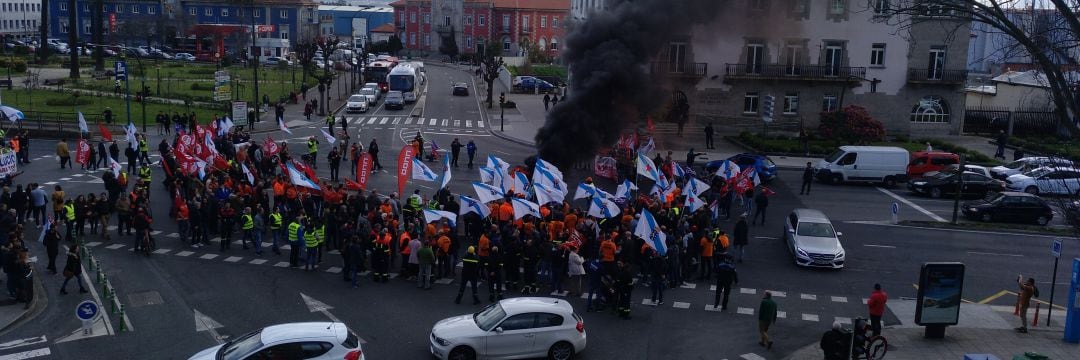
pixel 425 123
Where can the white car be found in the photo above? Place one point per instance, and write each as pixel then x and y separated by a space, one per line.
pixel 372 95
pixel 1027 164
pixel 310 340
pixel 184 57
pixel 356 103
pixel 518 328
pixel 1046 180
pixel 374 86
pixel 812 240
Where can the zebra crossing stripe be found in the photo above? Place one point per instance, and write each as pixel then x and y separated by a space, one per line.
pixel 445 121
pixel 371 120
pixel 433 121
pixel 397 120
pixel 162 251
pixel 384 120
pixel 408 121
pixel 479 123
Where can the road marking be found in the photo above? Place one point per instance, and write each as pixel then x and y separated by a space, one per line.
pixel 912 205
pixel 334 270
pixel 162 251
pixel 27 354
pixel 992 254
pixel 457 123
pixel 479 123
pixel 432 122
pixel 751 356
pixel 282 264
pixel 886 223
pixel 778 293
pixel 372 120
pixel 880 246
pixel 994 297
pixel 408 121
pixel 712 287
pixel 448 281
pixel 208 256
pixel 257 262
pixel 233 259
pixel 689 286
pixel 843 320
pixel 184 253
pixel 468 123
pixel 155 232
pixel 809 317
pixel 173 235
pixel 23 342
pixel 384 120
pixel 93 243
pixel 745 311
pixel 747 291
pixel 841 299
pixel 808 296
pixel 445 122
pixel 680 305
pixel 114 246
pixel 396 120
pixel 711 308
pixel 781 314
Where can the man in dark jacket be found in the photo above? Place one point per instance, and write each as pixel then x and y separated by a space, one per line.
pixel 373 149
pixel 836 343
pixel 807 179
pixel 624 286
pixel 657 273
pixel 761 201
pixel 455 150
pixel 725 276
pixel 742 237
pixel 470 271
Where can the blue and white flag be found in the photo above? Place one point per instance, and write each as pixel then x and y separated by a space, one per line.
pixel 545 194
pixel 625 188
pixel 329 138
pixel 646 168
pixel 250 177
pixel 82 123
pixel 487 174
pixel 714 208
pixel 421 171
pixel 495 162
pixel 548 167
pixel 283 127
pixel 298 178
pixel 727 170
pixel 662 187
pixel 45 229
pixel 697 186
pixel 521 183
pixel 677 170
pixel 129 135
pixel 226 126
pixel 431 216
pixel 524 207
pixel 469 205
pixel 649 230
pixel 584 190
pixel 208 142
pixel 487 193
pixel 444 178
pixel 692 203
pixel 550 176
pixel 603 208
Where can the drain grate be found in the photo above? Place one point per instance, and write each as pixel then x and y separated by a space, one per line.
pixel 145 298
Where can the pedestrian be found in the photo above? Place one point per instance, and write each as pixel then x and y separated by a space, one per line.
pixel 470 149
pixel 132 158
pixel 706 256
pixel 426 255
pixel 1002 140
pixel 455 150
pixel 373 149
pixel 335 163
pixel 766 317
pixel 709 131
pixel 355 256
pixel 52 248
pixel 470 267
pixel 62 153
pixel 804 139
pixel 624 286
pixel 25 276
pixel 725 276
pixel 554 100
pixel 807 179
pixel 835 343
pixel 596 284
pixel 1027 290
pixel 380 256
pixel 742 238
pixel 313 152
pixel 657 274
pixel 73 269
pixel 494 267
pixel 576 270
pixel 38 200
pixel 260 226
pixel 761 201
pixel 876 307
pixel 547 101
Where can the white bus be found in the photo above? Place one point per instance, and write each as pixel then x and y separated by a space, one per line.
pixel 407 79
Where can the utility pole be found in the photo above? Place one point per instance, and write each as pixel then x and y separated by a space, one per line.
pixel 959 189
pixel 255 60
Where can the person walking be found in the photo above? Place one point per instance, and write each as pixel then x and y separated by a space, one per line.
pixel 313 152
pixel 547 101
pixel 657 273
pixel 725 276
pixel 455 150
pixel 73 269
pixel 470 270
pixel 1002 139
pixel 761 201
pixel 766 317
pixel 709 131
pixel 52 248
pixel 373 149
pixel 426 255
pixel 876 307
pixel 470 149
pixel 807 179
pixel 742 238
pixel 1027 290
pixel 63 153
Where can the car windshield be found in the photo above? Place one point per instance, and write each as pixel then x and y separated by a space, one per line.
pixel 357 98
pixel 836 155
pixel 816 229
pixel 241 346
pixel 1015 164
pixel 1038 172
pixel 489 316
pixel 401 82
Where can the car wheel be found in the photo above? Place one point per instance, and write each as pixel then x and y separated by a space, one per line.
pixel 462 353
pixel 986 217
pixel 561 351
pixel 1042 220
pixel 935 193
pixel 890 181
pixel 1032 190
pixel 836 179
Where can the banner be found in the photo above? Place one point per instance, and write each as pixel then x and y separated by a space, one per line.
pixel 404 166
pixel 222 86
pixel 105 134
pixel 240 113
pixel 363 170
pixel 8 165
pixel 271 147
pixel 187 140
pixel 82 153
pixel 605 167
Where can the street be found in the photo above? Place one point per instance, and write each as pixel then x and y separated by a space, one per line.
pixel 181 300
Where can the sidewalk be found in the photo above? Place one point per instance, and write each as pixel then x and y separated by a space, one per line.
pixel 983 329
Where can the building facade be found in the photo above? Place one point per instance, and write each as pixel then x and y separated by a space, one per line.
pixel 820 55
pixel 19 18
pixel 580 9
pixel 279 23
pixel 353 24
pixel 133 22
pixel 424 25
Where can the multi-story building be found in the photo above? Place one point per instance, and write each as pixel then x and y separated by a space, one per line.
pixel 423 25
pixel 580 9
pixel 278 23
pixel 353 24
pixel 19 18
pixel 123 22
pixel 820 55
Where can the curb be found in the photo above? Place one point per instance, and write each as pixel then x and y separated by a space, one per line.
pixel 40 302
pixel 501 135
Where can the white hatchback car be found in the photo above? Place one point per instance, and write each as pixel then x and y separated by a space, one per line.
pixel 310 340
pixel 517 328
pixel 1046 180
pixel 356 103
pixel 1027 164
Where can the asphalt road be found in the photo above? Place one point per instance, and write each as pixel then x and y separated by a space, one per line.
pixel 240 292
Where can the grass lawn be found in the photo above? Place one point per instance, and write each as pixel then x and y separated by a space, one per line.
pixel 37 101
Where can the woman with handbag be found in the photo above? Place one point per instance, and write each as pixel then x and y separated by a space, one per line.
pixel 73 269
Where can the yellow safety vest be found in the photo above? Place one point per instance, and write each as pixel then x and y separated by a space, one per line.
pixel 293 229
pixel 143 147
pixel 310 240
pixel 320 233
pixel 69 209
pixel 145 173
pixel 249 223
pixel 275 221
pixel 312 147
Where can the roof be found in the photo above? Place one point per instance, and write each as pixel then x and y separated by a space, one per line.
pixel 873 148
pixel 384 28
pixel 533 4
pixel 982 89
pixel 346 8
pixel 811 214
pixel 1025 78
pixel 530 304
pixel 276 333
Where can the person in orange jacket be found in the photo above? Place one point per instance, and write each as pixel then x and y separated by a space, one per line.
pixel 706 257
pixel 444 269
pixel 403 244
pixel 607 253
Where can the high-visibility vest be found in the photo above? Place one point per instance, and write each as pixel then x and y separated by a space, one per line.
pixel 330 120
pixel 275 221
pixel 320 233
pixel 312 147
pixel 294 227
pixel 143 147
pixel 249 223
pixel 310 240
pixel 145 173
pixel 69 209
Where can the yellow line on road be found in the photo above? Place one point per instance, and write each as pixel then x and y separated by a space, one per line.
pixel 1059 307
pixel 994 297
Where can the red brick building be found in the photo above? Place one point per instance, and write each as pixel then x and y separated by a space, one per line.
pixel 423 25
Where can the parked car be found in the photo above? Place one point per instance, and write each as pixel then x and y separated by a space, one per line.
pixel 310 340
pixel 926 161
pixel 524 327
pixel 880 164
pixel 1027 164
pixel 1046 180
pixel 528 83
pixel 394 100
pixel 356 103
pixel 765 167
pixel 208 57
pixel 1010 206
pixel 275 60
pixel 981 170
pixel 461 89
pixel 184 57
pixel 943 183
pixel 812 240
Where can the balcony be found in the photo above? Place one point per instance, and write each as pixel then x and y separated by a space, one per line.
pixel 936 76
pixel 443 29
pixel 688 70
pixel 793 72
pixel 526 30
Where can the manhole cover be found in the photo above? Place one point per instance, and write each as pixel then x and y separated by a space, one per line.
pixel 145 298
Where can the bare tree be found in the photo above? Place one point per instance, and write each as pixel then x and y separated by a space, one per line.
pixel 328 46
pixel 305 51
pixel 42 49
pixel 492 63
pixel 98 34
pixel 73 39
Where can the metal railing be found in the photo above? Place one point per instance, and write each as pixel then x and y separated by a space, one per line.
pixel 794 72
pixel 937 75
pixel 686 69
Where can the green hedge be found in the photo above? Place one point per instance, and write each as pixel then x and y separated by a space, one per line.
pixel 69 101
pixel 1048 145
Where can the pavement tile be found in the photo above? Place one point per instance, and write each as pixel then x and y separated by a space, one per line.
pixel 184 253
pixel 745 311
pixel 840 299
pixel 808 296
pixel 810 317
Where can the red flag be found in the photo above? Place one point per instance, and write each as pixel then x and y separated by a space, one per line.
pixel 220 163
pixel 404 166
pixel 767 191
pixel 271 147
pixel 213 128
pixel 352 185
pixel 82 154
pixel 105 134
pixel 187 140
pixel 200 133
pixel 307 170
pixel 649 124
pixel 363 170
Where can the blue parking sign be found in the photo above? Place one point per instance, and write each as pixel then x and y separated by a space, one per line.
pixel 87 310
pixel 121 70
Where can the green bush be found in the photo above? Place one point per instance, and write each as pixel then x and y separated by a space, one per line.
pixel 202 71
pixel 69 101
pixel 200 86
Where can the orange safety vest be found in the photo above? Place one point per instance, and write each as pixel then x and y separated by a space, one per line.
pixel 403 243
pixel 484 246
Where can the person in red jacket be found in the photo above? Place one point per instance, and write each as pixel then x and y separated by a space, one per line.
pixel 876 305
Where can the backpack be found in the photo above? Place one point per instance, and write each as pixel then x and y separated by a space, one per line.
pixel 123 179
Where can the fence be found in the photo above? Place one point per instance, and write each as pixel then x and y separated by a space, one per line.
pixel 1024 123
pixel 54 124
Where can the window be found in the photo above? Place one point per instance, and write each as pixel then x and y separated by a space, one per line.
pixel 468 41
pixel 837 7
pixel 791 104
pixel 750 103
pixel 543 21
pixel 877 55
pixel 676 57
pixel 284 14
pixel 519 322
pixel 554 21
pixel 834 53
pixel 506 23
pixel 506 44
pixel 151 10
pixel 555 44
pixel 86 27
pixel 208 12
pixel 468 19
pixel 412 18
pixel 791 60
pixel 412 39
pixel 224 12
pixel 542 44
pixel 848 159
pixel 427 18
pixel 930 109
pixel 525 22
pixel 63 25
pixel 427 39
pixel 547 320
pixel 256 12
pixel 63 6
pixel 283 32
pixel 134 9
pixel 829 102
pixel 881 7
pixel 446 21
pixel 191 11
pixel 402 18
pixel 481 20
pixel 936 64
pixel 86 8
pixel 120 9
pixel 755 58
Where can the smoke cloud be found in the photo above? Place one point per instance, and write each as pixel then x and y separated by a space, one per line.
pixel 609 58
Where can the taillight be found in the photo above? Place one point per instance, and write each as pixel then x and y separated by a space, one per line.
pixel 354 355
pixel 580 326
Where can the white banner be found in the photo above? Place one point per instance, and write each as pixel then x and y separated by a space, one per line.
pixel 8 163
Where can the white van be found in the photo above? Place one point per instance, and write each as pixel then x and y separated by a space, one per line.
pixel 874 164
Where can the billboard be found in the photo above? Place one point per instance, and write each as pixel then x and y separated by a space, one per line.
pixel 239 113
pixel 222 87
pixel 940 288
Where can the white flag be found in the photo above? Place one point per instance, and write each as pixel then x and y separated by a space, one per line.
pixel 603 208
pixel 524 207
pixel 521 183
pixel 421 171
pixel 646 168
pixel 281 125
pixel 487 193
pixel 444 179
pixel 545 194
pixel 431 216
pixel 226 125
pixel 329 138
pixel 129 135
pixel 624 189
pixel 697 186
pixel 649 230
pixel 469 204
pixel 82 123
pixel 250 177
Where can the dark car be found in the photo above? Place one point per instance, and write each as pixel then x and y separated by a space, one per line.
pixel 766 168
pixel 1010 206
pixel 461 89
pixel 939 184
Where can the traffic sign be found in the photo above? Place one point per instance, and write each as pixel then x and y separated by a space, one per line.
pixel 87 310
pixel 121 70
pixel 767 108
pixel 1055 249
pixel 895 208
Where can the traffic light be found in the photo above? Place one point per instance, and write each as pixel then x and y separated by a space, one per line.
pixel 767 108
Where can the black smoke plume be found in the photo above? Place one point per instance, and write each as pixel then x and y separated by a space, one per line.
pixel 609 58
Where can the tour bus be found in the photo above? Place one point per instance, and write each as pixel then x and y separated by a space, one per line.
pixel 376 72
pixel 407 79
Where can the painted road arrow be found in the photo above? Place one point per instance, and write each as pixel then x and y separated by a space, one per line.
pixel 205 323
